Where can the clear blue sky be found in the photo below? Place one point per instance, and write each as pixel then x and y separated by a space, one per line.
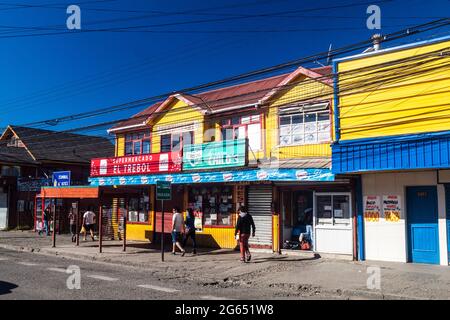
pixel 49 76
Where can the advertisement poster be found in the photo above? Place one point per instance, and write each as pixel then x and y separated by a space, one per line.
pixel 392 208
pixel 198 222
pixel 372 208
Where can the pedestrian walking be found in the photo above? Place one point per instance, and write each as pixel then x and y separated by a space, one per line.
pixel 88 224
pixel 177 230
pixel 244 226
pixel 189 224
pixel 73 225
pixel 47 217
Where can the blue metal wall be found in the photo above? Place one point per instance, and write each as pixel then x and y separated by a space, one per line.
pixel 425 151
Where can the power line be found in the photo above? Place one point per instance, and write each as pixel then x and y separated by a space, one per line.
pixel 248 75
pixel 402 77
pixel 261 15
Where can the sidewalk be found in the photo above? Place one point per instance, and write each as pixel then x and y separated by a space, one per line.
pixel 293 276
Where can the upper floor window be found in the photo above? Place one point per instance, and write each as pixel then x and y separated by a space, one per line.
pixel 137 143
pixel 176 141
pixel 242 127
pixel 305 125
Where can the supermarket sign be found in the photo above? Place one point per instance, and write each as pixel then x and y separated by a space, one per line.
pixel 213 155
pixel 136 165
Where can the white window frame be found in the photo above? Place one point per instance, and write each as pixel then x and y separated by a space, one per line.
pixel 345 223
pixel 316 109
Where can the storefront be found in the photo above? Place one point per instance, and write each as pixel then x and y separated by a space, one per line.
pixel 317 217
pixel 405 216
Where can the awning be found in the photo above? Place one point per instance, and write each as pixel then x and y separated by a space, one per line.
pixel 83 192
pixel 219 176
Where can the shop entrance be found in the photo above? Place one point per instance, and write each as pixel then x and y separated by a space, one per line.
pixel 423 232
pixel 297 209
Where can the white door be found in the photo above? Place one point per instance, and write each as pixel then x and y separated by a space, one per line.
pixel 333 223
pixel 3 211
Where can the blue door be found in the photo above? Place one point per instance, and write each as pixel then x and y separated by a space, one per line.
pixel 421 206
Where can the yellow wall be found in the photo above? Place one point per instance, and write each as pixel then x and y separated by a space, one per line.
pixel 306 89
pixel 179 113
pixel 120 140
pixel 217 237
pixel 407 97
pixel 139 232
pixel 275 232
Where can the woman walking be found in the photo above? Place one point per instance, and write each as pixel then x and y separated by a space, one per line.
pixel 244 226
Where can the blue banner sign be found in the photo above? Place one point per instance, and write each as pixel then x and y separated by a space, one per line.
pixel 220 176
pixel 61 179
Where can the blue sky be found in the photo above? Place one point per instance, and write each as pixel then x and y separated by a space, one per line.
pixel 44 77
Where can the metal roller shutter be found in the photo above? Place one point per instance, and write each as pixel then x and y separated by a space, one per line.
pixel 259 206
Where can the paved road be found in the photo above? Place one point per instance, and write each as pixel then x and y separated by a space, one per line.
pixel 33 276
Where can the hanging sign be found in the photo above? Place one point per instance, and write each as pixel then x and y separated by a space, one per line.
pixel 137 165
pixel 372 208
pixel 392 208
pixel 163 190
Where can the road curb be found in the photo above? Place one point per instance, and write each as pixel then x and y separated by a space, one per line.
pixel 344 294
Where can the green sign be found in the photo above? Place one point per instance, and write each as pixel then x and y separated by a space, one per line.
pixel 222 154
pixel 163 190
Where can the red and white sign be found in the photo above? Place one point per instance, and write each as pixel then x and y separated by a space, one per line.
pixel 137 165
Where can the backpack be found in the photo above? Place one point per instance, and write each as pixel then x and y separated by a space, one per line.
pixel 305 245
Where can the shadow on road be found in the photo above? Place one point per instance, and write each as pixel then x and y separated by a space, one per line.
pixel 6 287
pixel 284 259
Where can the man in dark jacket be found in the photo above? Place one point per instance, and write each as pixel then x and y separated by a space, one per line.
pixel 244 226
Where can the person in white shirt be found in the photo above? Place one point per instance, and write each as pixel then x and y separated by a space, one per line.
pixel 177 230
pixel 88 223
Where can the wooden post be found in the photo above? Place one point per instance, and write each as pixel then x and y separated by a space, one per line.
pixel 54 226
pixel 100 227
pixel 162 230
pixel 42 213
pixel 78 222
pixel 125 224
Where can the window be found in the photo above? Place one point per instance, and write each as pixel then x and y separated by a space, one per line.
pixel 138 208
pixel 137 143
pixel 243 127
pixel 304 125
pixel 333 209
pixel 175 141
pixel 215 203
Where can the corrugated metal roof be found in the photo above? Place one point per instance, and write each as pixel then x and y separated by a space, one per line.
pixel 240 95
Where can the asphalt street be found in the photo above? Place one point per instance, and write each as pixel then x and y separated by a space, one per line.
pixel 32 276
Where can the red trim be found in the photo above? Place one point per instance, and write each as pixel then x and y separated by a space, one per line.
pixel 261 246
pixel 218 226
pixel 139 223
